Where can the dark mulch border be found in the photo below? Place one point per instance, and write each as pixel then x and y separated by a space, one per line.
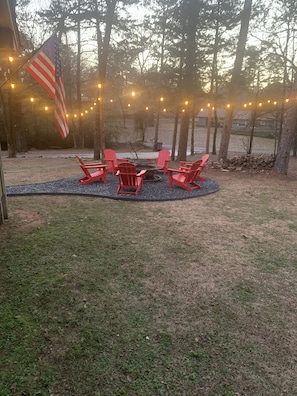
pixel 151 191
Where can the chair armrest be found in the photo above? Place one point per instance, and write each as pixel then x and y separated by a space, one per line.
pixel 93 163
pixel 141 173
pixel 90 166
pixel 185 165
pixel 171 170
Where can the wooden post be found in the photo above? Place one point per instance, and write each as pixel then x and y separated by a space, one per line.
pixel 3 202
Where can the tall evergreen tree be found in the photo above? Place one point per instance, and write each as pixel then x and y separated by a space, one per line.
pixel 235 80
pixel 190 10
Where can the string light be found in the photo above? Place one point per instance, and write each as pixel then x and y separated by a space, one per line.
pixel 186 102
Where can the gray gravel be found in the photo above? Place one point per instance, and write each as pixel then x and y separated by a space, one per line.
pixel 151 191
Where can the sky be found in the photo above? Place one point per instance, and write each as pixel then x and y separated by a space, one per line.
pixel 37 4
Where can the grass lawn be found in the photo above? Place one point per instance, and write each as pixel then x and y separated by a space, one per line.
pixel 195 297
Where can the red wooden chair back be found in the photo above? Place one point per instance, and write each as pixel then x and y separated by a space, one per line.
pixel 130 182
pixel 99 171
pixel 110 158
pixel 185 178
pixel 191 176
pixel 203 160
pixel 188 165
pixel 163 159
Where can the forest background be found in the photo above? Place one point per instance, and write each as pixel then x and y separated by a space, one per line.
pixel 146 60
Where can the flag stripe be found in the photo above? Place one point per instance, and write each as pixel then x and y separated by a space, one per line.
pixel 40 75
pixel 61 120
pixel 42 69
pixel 45 68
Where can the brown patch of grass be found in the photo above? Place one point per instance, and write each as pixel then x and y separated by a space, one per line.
pixel 187 297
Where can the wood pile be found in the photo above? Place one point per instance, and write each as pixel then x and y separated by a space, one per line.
pixel 246 162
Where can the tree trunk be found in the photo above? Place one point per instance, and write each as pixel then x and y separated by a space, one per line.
pixel 215 131
pixel 208 130
pixel 184 132
pixel 286 140
pixel 295 144
pixel 8 107
pixel 99 143
pixel 193 130
pixel 3 200
pixel 193 9
pixel 235 80
pixel 80 137
pixel 214 89
pixel 174 134
pixel 223 152
pixel 164 23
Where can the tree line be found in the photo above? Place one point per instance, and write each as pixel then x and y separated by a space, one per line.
pixel 193 51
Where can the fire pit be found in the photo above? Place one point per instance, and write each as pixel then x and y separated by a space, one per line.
pixel 151 169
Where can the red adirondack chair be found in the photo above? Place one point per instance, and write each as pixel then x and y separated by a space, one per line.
pixel 92 171
pixel 111 160
pixel 162 160
pixel 187 165
pixel 130 182
pixel 185 178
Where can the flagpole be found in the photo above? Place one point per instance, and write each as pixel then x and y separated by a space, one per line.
pixel 11 75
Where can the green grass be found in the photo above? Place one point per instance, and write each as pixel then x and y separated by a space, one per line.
pixel 118 298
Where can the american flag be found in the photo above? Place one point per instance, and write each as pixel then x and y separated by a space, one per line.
pixel 45 68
